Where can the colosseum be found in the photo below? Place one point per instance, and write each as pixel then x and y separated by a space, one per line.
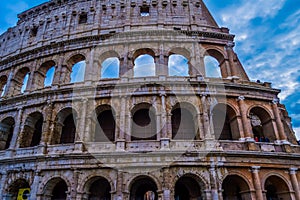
pixel 137 100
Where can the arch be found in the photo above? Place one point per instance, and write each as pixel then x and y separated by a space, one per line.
pixel 178 65
pixel 143 187
pixel 225 124
pixel 106 126
pixel 98 187
pixel 144 63
pixel 77 64
pixel 110 68
pixel 180 51
pixel 276 188
pixel 20 80
pixel 189 187
pixel 65 127
pixel 143 122
pixel 18 187
pixel 3 82
pixel 235 187
pixel 45 74
pixel 6 131
pixel 262 124
pixel 32 131
pixel 56 189
pixel 183 123
pixel 212 67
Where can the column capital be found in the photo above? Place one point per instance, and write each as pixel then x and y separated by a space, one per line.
pixel 255 168
pixel 230 45
pixel 293 170
pixel 241 98
pixel 275 101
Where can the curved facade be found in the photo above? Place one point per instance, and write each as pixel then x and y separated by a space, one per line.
pixel 137 100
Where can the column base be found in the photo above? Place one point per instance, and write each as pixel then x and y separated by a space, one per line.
pixel 165 143
pixel 120 145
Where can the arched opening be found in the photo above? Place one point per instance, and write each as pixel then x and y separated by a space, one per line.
pixel 32 132
pixel 19 189
pixel 3 82
pixel 262 126
pixel 60 191
pixel 143 122
pixel 212 67
pixel 183 123
pixel 6 132
pixel 276 188
pixel 225 123
pixel 188 188
pixel 20 80
pixel 49 77
pixel 110 68
pixel 65 127
pixel 99 189
pixel 78 65
pixel 178 65
pixel 144 64
pixel 105 128
pixel 143 188
pixel 235 187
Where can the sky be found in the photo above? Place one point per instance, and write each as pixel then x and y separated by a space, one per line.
pixel 267 40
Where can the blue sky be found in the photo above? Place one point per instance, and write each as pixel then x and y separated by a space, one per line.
pixel 267 40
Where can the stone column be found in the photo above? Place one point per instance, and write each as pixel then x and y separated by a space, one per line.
pixel 164 139
pixel 256 182
pixel 240 127
pixel 58 71
pixel 161 65
pixel 2 183
pixel 82 124
pixel 89 69
pixel 279 124
pixel 119 185
pixel 17 129
pixel 206 121
pixel 295 183
pixel 213 182
pixel 35 185
pixel 245 120
pixel 48 110
pixel 230 53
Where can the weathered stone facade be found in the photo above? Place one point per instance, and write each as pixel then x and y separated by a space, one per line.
pixel 157 136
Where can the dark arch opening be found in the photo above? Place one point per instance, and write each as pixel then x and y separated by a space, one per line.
pixel 105 128
pixel 32 133
pixel 144 123
pixel 143 187
pixel 68 130
pixel 262 126
pixel 6 131
pixel 100 190
pixel 183 125
pixel 19 188
pixel 276 188
pixel 60 191
pixel 235 187
pixel 187 188
pixel 225 123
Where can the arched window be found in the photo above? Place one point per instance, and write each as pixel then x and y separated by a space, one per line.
pixel 143 187
pixel 60 191
pixel 78 70
pixel 212 67
pixel 110 68
pixel 99 189
pixel 188 187
pixel 105 128
pixel 225 123
pixel 235 187
pixel 20 185
pixel 262 126
pixel 183 124
pixel 276 188
pixel 144 66
pixel 178 65
pixel 65 127
pixel 143 123
pixel 49 77
pixel 3 82
pixel 32 133
pixel 6 132
pixel 24 84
